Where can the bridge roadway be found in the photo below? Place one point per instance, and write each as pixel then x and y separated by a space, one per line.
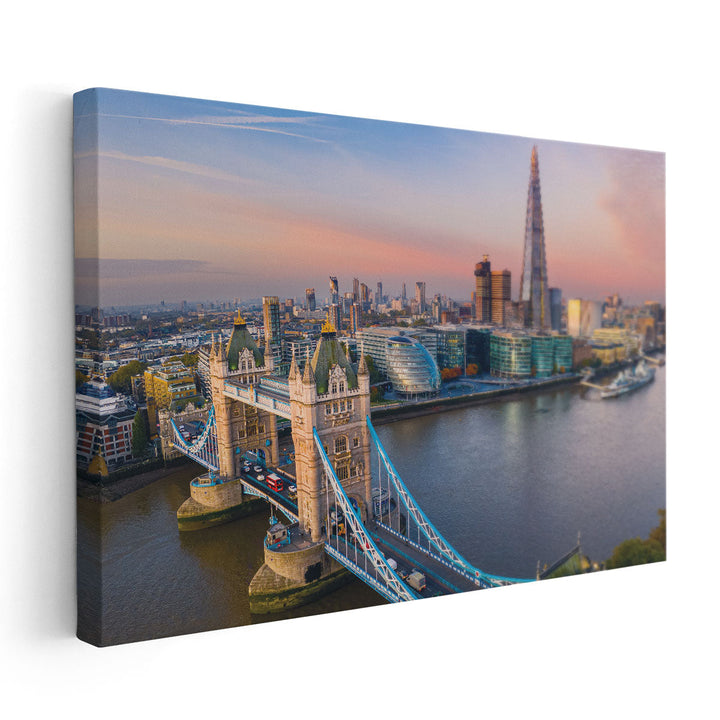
pixel 257 479
pixel 440 579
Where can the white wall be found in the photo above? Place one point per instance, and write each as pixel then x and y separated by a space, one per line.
pixel 629 74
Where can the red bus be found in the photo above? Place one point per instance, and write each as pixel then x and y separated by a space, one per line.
pixel 275 482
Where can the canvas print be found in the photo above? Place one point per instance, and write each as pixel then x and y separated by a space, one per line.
pixel 325 362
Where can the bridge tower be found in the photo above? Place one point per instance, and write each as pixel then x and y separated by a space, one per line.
pixel 241 427
pixel 329 396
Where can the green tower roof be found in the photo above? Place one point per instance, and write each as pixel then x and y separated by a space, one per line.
pixel 329 352
pixel 239 340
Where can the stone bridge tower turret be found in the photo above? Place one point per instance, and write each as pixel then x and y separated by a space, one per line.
pixel 240 427
pixel 329 396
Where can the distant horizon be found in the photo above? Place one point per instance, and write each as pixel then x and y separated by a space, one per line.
pixel 258 301
pixel 197 199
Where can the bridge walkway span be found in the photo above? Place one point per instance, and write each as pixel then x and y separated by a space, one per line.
pixel 441 579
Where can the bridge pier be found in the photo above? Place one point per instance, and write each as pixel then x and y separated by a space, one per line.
pixel 294 575
pixel 214 504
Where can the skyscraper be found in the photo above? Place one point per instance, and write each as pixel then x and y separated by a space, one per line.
pixel 379 294
pixel 500 296
pixel 354 318
pixel 583 317
pixel 271 319
pixel 556 308
pixel 534 290
pixel 334 316
pixel 356 289
pixel 420 295
pixel 482 291
pixel 310 298
pixel 334 295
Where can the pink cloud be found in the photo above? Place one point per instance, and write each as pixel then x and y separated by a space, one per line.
pixel 635 203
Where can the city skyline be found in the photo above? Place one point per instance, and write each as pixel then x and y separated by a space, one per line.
pixel 198 200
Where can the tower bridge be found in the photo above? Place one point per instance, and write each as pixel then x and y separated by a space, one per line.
pixel 341 515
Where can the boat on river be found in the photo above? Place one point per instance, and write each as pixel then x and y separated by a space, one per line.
pixel 628 380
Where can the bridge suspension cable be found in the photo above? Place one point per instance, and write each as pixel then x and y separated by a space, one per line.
pixel 204 449
pixel 385 580
pixel 435 540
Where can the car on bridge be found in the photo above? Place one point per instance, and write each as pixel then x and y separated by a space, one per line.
pixel 416 580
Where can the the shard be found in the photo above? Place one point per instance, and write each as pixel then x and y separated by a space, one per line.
pixel 534 289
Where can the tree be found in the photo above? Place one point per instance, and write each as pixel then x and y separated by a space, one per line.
pixel 90 339
pixel 189 359
pixel 472 369
pixel 120 379
pixel 80 378
pixel 375 376
pixel 139 434
pixel 657 534
pixel 635 552
pixel 638 552
pixel 447 374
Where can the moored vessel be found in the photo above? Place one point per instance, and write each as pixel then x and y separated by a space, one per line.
pixel 629 380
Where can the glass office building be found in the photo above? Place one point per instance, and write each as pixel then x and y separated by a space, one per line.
pixel 450 347
pixel 477 347
pixel 410 367
pixel 563 353
pixel 542 355
pixel 511 355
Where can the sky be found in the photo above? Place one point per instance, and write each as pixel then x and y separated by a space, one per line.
pixel 182 199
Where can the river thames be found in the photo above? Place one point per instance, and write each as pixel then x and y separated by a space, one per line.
pixel 509 483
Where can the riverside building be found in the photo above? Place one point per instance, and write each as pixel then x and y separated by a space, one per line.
pixel 451 346
pixel 510 355
pixel 410 368
pixel 519 354
pixel 477 346
pixel 562 353
pixel 407 357
pixel 618 336
pixel 171 386
pixel 103 425
pixel 542 355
